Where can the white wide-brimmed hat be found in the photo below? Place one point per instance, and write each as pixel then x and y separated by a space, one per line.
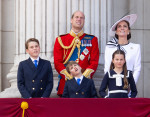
pixel 130 18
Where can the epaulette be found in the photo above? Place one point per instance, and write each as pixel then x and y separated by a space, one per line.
pixel 90 35
pixel 63 34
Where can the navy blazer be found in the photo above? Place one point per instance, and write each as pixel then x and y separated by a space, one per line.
pixel 85 90
pixel 35 82
pixel 111 84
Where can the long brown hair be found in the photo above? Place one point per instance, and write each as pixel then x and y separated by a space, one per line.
pixel 124 67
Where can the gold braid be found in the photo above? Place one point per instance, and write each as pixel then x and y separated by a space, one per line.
pixel 62 45
pixel 76 42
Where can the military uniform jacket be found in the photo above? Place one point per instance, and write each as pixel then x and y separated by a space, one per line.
pixel 35 82
pixel 89 55
pixel 85 90
pixel 116 87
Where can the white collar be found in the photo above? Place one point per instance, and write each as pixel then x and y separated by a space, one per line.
pixel 35 59
pixel 80 78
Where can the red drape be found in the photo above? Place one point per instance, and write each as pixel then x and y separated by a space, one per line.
pixel 62 107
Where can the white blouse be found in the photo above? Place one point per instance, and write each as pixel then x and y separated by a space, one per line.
pixel 133 58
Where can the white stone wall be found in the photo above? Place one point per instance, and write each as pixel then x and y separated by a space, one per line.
pixel 140 34
pixel 46 19
pixel 7 39
pixel 0 45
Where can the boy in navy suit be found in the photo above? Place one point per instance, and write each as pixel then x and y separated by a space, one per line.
pixel 35 76
pixel 79 86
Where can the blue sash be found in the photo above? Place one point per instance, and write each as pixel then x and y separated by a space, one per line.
pixel 86 41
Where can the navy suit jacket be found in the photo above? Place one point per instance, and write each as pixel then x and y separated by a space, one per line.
pixel 35 82
pixel 85 90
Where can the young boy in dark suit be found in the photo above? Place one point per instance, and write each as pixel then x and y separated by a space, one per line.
pixel 79 86
pixel 35 76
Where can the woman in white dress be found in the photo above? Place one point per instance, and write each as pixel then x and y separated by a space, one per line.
pixel 121 34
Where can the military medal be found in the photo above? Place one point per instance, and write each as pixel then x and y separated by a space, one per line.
pixel 85 51
pixel 82 57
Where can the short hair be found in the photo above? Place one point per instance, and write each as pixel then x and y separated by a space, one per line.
pixel 129 35
pixel 70 63
pixel 75 12
pixel 31 40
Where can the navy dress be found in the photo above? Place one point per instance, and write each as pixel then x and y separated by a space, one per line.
pixel 114 82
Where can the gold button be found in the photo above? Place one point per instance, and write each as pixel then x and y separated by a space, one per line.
pixel 32 80
pixel 41 88
pixel 41 80
pixel 82 93
pixel 76 93
pixel 33 88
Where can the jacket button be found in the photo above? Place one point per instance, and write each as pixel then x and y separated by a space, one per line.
pixel 76 93
pixel 33 88
pixel 32 80
pixel 82 93
pixel 41 88
pixel 41 80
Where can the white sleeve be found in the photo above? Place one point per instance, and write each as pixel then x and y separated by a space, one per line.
pixel 108 58
pixel 137 64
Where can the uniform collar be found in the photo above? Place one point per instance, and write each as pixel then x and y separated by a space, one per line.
pixel 72 33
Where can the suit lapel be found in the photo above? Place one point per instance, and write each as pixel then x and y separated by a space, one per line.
pixel 40 65
pixel 31 64
pixel 73 84
pixel 83 83
pixel 38 69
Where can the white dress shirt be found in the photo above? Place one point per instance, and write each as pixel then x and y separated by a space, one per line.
pixel 35 59
pixel 81 78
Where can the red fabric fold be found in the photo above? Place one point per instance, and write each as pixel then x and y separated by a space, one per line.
pixel 95 107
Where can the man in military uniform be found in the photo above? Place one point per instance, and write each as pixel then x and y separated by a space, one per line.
pixel 75 46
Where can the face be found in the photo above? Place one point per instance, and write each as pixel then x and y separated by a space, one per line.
pixel 78 21
pixel 118 61
pixel 122 29
pixel 33 49
pixel 75 70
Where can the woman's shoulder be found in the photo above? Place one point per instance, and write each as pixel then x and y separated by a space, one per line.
pixel 134 44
